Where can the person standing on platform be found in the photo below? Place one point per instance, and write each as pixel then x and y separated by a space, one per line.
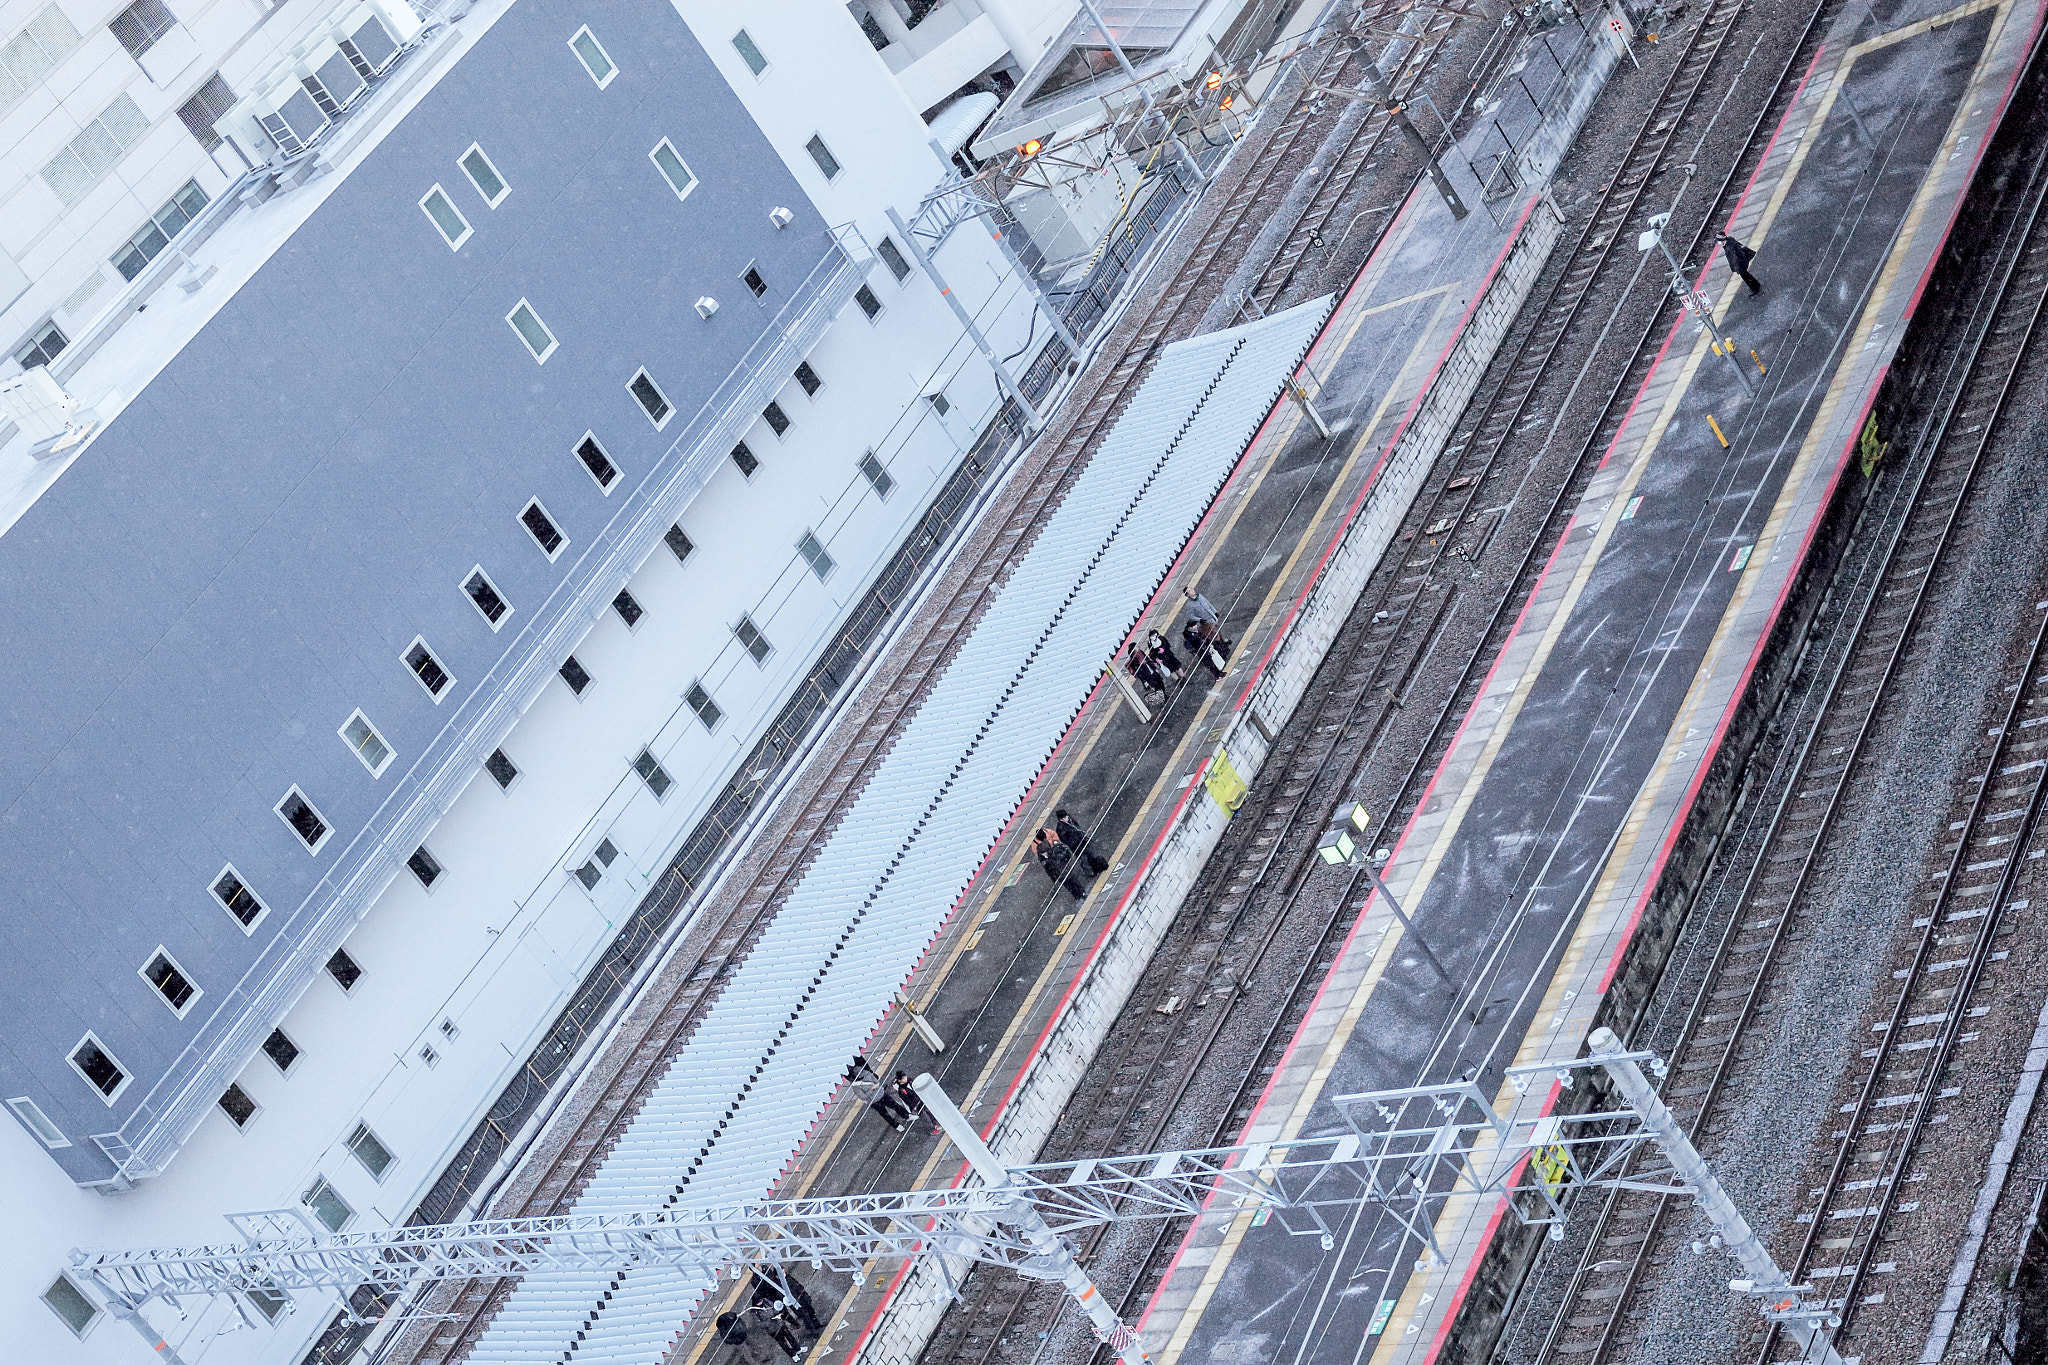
pixel 914 1102
pixel 1739 257
pixel 1058 861
pixel 1076 840
pixel 1199 606
pixel 1144 670
pixel 1161 653
pixel 748 1348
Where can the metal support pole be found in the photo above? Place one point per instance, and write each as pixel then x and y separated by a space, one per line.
pixel 1116 50
pixel 1372 870
pixel 918 1022
pixel 1398 112
pixel 1301 398
pixel 1782 1302
pixel 1053 1260
pixel 1131 697
pixel 1721 344
pixel 165 1352
pixel 967 321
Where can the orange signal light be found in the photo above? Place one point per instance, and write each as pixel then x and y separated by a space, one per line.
pixel 1215 81
pixel 1228 100
pixel 1032 148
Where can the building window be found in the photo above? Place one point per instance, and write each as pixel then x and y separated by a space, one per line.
pixel 96 149
pixel 628 607
pixel 750 52
pixel 236 898
pixel 44 345
pixel 449 1030
pixel 311 827
pixel 744 458
pixel 374 1155
pixel 776 418
pixel 673 168
pixel 541 527
pixel 808 377
pixel 163 972
pixel 485 597
pixel 69 1302
pixel 446 218
pixel 869 304
pixel 268 1300
pixel 30 54
pixel 99 1068
pixel 203 111
pixel 141 24
pixel 484 176
pixel 573 674
pixel 751 277
pixel 281 1050
pixel 752 640
pixel 427 668
pixel 148 243
pixel 370 747
pixel 501 770
pixel 428 1055
pixel 593 56
pixel 678 543
pixel 39 1123
pixel 892 256
pixel 597 462
pixel 425 866
pixel 592 871
pixel 939 403
pixel 822 154
pixel 878 478
pixel 236 1104
pixel 653 774
pixel 328 1206
pixel 344 970
pixel 532 331
pixel 651 400
pixel 814 555
pixel 698 700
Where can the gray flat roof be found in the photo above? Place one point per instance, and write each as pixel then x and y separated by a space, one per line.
pixel 239 560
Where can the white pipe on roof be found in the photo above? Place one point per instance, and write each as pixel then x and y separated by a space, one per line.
pixel 958 120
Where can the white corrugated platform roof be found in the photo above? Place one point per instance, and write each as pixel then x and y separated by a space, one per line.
pixel 725 1120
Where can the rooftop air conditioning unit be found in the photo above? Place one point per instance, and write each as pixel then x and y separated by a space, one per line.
pixel 286 114
pixel 330 78
pixel 370 36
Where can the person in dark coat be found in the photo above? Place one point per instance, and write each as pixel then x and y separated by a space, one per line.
pixel 794 1308
pixel 748 1348
pixel 1076 839
pixel 1206 643
pixel 1161 653
pixel 1144 670
pixel 1199 607
pixel 907 1093
pixel 1739 257
pixel 1058 861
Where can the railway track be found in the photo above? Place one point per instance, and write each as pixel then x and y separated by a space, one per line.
pixel 1802 811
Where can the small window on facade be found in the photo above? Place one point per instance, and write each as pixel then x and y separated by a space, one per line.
pixel 673 168
pixel 485 597
pixel 99 1068
pixel 653 774
pixel 44 345
pixel 878 478
pixel 484 176
pixel 813 553
pixel 651 399
pixel 281 1050
pixel 597 462
pixel 69 1303
pixel 698 700
pixel 427 668
pixel 892 256
pixel 593 56
pixel 541 527
pixel 163 972
pixel 532 331
pixel 939 403
pixel 776 418
pixel 822 154
pixel 678 543
pixel 311 827
pixel 165 224
pixel 628 607
pixel 374 1155
pixel 39 1123
pixel 361 736
pixel 744 458
pixel 141 24
pixel 750 53
pixel 424 866
pixel 869 304
pixel 449 1030
pixel 236 898
pixel 428 1055
pixel 752 640
pixel 592 871
pixel 236 1104
pixel 808 377
pixel 268 1299
pixel 344 970
pixel 751 277
pixel 446 218
pixel 573 674
pixel 501 769
pixel 327 1205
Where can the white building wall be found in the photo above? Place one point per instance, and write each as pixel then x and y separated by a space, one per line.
pixel 498 944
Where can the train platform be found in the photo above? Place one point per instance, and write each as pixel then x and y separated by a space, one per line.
pixel 1532 858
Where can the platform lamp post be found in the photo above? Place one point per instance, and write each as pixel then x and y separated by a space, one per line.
pixel 1653 236
pixel 1340 849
